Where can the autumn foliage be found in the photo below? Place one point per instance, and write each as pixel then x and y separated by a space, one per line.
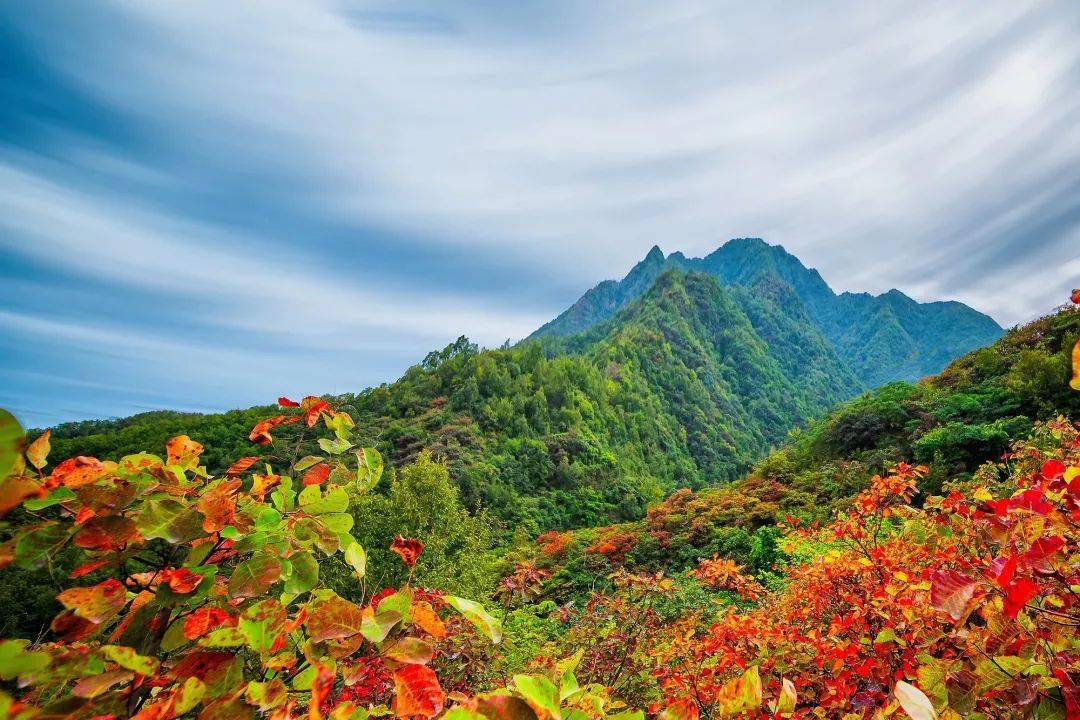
pixel 203 596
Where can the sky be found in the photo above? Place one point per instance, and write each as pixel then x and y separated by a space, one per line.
pixel 204 205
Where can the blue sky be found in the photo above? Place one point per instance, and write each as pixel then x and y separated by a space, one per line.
pixel 204 204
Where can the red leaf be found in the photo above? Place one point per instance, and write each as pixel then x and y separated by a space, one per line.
pixel 181 580
pixel 1052 469
pixel 286 402
pixel 241 465
pixel 316 474
pixel 87 568
pixel 408 548
pixel 1003 569
pixel 1038 555
pixel 418 692
pixel 110 532
pixel 1017 594
pixel 312 406
pixel 204 620
pixel 1076 296
pixel 952 592
pixel 261 432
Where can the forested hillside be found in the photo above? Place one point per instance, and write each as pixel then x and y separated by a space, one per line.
pixel 686 387
pixel 951 423
pixel 879 338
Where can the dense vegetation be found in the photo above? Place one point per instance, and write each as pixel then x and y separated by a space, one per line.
pixel 878 338
pixel 952 423
pixel 687 387
pixel 189 595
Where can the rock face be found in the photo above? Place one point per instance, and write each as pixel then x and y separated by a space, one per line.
pixel 878 338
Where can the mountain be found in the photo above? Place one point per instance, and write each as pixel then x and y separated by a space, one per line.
pixel 686 386
pixel 879 338
pixel 953 422
pixel 682 375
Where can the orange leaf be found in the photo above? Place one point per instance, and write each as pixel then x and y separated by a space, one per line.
pixel 96 603
pixel 286 402
pixel 261 432
pixel 1075 382
pixel 183 451
pixel 408 548
pixel 320 689
pixel 76 472
pixel 241 465
pixel 204 620
pixel 427 620
pixel 418 691
pixel 218 505
pixel 16 488
pixel 181 580
pixel 316 474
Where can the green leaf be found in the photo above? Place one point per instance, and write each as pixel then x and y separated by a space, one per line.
pixel 169 519
pixel 376 627
pixel 261 624
pixel 474 612
pixel 266 518
pixel 369 468
pixel 11 435
pixel 55 497
pixel 886 635
pixel 307 461
pixel 36 543
pixel 335 446
pixel 16 660
pixel 224 637
pixel 356 556
pixel 541 693
pixel 128 659
pixel 254 577
pixel 341 423
pixel 266 695
pixel 189 695
pixel 312 500
pixel 304 575
pixel 337 522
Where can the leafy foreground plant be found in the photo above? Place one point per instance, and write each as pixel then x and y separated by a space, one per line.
pixel 207 600
pixel 964 608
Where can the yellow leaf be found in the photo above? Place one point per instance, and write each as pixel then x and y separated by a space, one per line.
pixel 38 450
pixel 914 702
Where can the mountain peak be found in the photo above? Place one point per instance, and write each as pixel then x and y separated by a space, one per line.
pixel 912 344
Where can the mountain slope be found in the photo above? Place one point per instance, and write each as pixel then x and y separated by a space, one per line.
pixel 953 422
pixel 880 338
pixel 686 387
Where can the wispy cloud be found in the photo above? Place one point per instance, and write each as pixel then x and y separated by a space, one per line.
pixel 374 179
